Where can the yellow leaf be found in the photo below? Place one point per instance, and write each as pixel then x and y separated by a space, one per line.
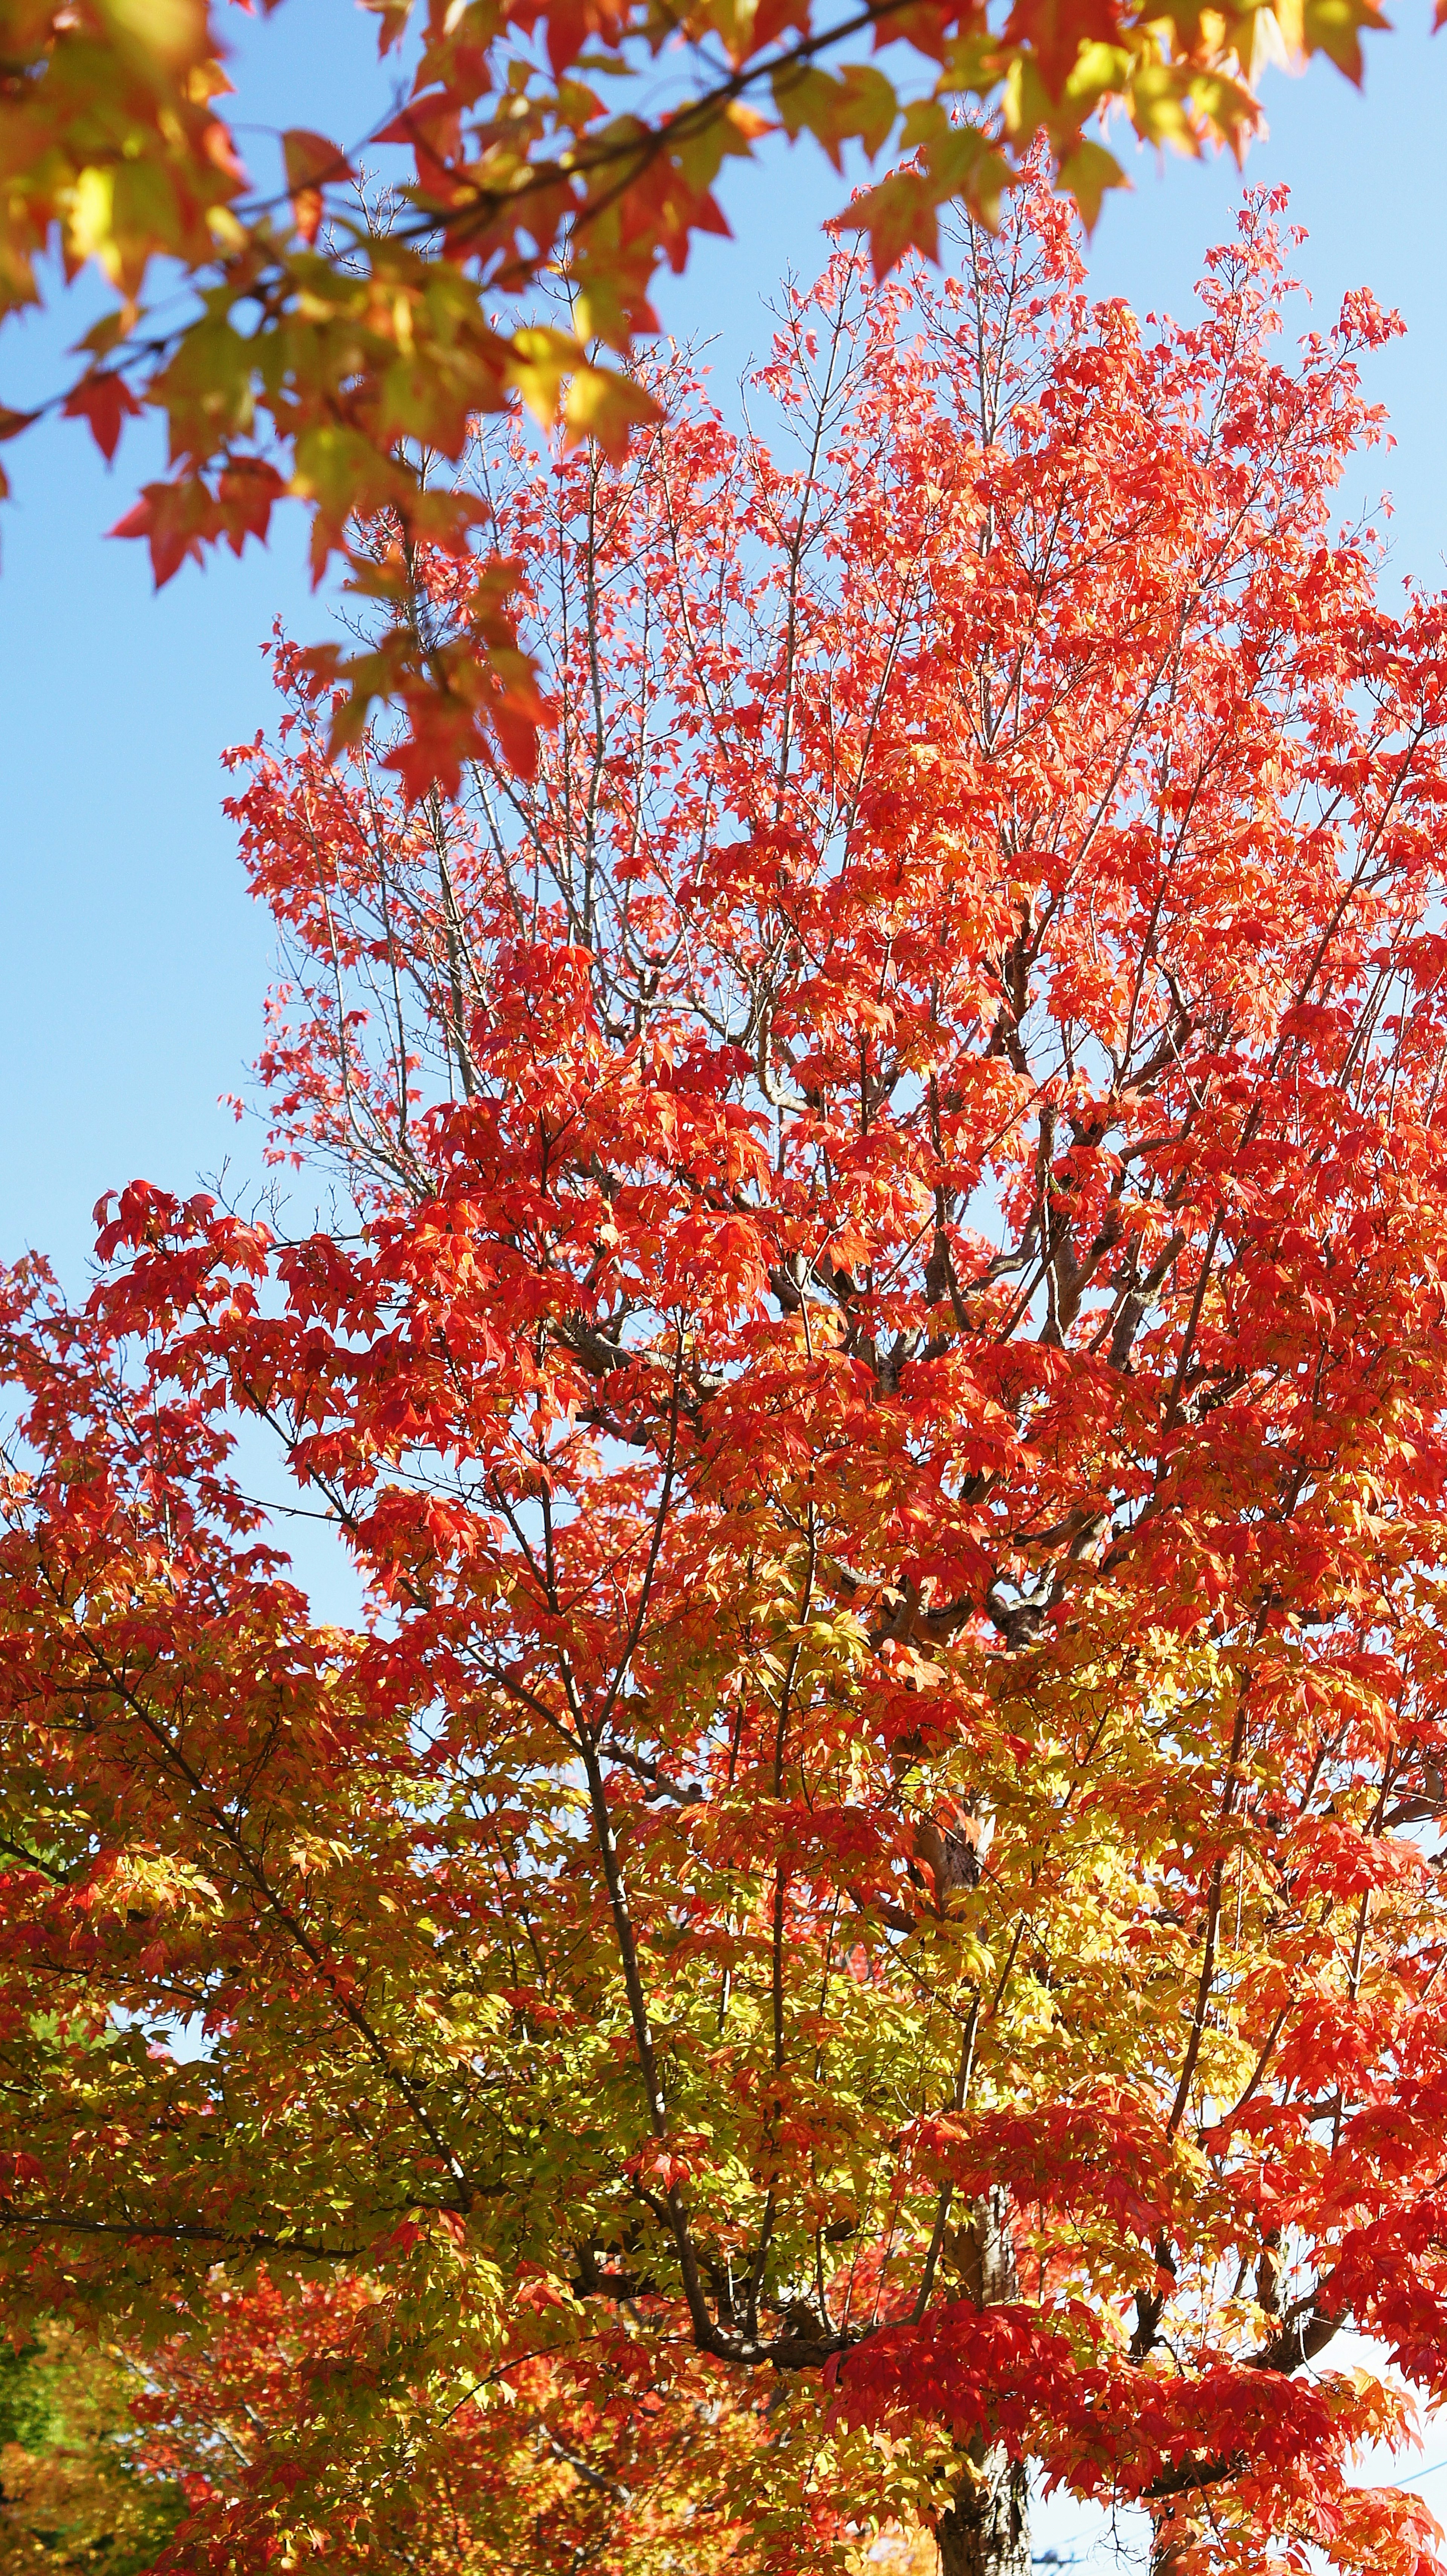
pixel 1086 176
pixel 92 215
pixel 170 31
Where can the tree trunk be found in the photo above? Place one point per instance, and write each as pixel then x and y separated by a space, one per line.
pixel 1177 2532
pixel 984 2530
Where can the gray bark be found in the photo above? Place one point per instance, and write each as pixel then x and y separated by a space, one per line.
pixel 984 2530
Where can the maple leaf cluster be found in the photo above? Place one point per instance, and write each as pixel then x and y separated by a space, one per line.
pixel 864 1906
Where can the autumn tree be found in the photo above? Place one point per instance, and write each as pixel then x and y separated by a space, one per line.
pixel 330 338
pixel 70 2497
pixel 862 1911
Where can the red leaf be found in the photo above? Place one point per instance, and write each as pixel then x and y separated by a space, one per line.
pixel 107 402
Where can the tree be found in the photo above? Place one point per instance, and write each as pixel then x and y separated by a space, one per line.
pixel 862 1911
pixel 334 346
pixel 69 2498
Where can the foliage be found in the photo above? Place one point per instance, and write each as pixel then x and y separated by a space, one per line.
pixel 865 1902
pixel 334 350
pixel 70 2497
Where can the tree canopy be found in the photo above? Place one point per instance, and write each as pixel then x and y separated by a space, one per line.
pixel 863 1908
pixel 333 341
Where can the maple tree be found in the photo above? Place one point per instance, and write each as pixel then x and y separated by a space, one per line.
pixel 69 2498
pixel 550 155
pixel 862 1910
